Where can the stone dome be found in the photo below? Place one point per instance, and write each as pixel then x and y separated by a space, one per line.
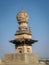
pixel 22 16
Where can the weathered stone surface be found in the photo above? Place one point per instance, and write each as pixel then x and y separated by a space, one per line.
pixel 23 55
pixel 21 58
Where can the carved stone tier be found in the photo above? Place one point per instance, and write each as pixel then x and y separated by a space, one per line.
pixel 23 45
pixel 26 34
pixel 26 41
pixel 23 25
pixel 23 32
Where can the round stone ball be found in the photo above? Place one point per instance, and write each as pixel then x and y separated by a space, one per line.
pixel 22 16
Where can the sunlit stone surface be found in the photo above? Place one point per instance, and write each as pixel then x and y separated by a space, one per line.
pixel 23 45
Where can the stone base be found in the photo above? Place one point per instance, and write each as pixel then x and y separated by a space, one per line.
pixel 21 59
pixel 24 64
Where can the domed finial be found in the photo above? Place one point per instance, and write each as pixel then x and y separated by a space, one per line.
pixel 22 16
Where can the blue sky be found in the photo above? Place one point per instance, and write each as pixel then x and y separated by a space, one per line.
pixel 38 11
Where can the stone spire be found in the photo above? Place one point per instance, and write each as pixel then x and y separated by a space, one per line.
pixel 23 37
